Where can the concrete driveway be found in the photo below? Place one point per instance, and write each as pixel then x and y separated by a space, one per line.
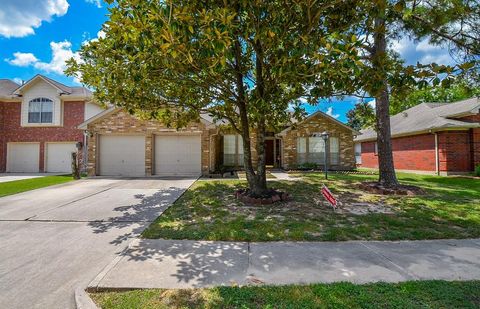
pixel 55 239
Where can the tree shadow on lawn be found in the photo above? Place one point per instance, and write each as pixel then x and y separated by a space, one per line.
pixel 210 211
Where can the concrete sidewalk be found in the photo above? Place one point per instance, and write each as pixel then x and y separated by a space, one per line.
pixel 148 263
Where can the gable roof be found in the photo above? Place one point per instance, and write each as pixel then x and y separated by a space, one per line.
pixel 72 91
pixel 317 113
pixel 427 117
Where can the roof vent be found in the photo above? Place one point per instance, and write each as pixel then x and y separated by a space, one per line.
pixel 405 114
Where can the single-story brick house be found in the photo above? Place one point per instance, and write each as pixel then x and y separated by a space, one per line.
pixel 121 144
pixel 39 124
pixel 440 138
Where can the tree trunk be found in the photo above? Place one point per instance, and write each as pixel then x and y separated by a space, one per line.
pixel 387 175
pixel 256 182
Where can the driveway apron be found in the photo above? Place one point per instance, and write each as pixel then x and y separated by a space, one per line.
pixel 55 239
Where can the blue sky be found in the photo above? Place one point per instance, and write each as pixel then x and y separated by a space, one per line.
pixel 37 36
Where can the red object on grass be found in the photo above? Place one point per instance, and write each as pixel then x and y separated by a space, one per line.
pixel 329 196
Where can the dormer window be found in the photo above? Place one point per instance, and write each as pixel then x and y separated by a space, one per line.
pixel 40 110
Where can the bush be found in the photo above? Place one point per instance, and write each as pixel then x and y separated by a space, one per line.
pixel 477 171
pixel 307 166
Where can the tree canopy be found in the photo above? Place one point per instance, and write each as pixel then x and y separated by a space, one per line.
pixel 248 62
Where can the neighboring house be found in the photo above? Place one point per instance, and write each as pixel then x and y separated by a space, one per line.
pixel 442 138
pixel 39 124
pixel 121 144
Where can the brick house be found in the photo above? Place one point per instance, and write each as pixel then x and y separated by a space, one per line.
pixel 39 124
pixel 440 138
pixel 121 144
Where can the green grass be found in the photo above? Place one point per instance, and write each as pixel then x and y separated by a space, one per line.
pixel 413 294
pixel 208 210
pixel 17 186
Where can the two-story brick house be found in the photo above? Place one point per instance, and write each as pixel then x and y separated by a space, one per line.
pixel 39 124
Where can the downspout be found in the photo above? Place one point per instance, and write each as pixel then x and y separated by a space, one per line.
pixel 437 162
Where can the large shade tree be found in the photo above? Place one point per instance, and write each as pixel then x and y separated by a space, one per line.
pixel 245 61
pixel 441 22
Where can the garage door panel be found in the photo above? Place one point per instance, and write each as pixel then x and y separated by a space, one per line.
pixel 59 157
pixel 178 155
pixel 122 155
pixel 23 157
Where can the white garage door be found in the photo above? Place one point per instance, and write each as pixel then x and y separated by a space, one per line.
pixel 177 155
pixel 122 155
pixel 59 157
pixel 23 157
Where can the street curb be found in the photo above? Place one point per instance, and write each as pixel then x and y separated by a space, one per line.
pixel 83 300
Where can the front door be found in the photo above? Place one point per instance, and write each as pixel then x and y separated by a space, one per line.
pixel 269 152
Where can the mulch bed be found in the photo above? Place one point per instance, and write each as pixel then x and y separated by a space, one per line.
pixel 271 197
pixel 377 188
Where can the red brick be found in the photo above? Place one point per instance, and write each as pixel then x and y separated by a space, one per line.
pixel 12 131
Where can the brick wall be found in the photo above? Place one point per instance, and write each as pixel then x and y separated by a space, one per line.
pixel 454 151
pixel 120 122
pixel 73 115
pixel 475 138
pixel 315 124
pixel 417 153
pixel 409 153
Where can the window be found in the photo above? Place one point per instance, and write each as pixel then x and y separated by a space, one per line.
pixel 40 110
pixel 316 150
pixel 334 151
pixel 232 150
pixel 301 150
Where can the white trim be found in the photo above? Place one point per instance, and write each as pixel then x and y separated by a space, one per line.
pixel 427 131
pixel 437 162
pixel 17 91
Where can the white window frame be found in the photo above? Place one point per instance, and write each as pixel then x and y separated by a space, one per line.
pixel 41 101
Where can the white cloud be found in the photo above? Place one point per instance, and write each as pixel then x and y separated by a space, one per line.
pixel 18 80
pixel 372 103
pixel 422 52
pixel 98 3
pixel 61 52
pixel 19 18
pixel 22 59
pixel 330 113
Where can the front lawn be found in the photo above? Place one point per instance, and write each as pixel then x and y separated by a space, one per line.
pixel 17 186
pixel 414 294
pixel 209 210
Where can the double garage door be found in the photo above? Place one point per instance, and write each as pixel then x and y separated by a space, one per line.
pixel 173 155
pixel 25 157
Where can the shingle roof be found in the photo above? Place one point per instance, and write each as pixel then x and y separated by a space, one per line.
pixel 7 87
pixel 428 116
pixel 74 91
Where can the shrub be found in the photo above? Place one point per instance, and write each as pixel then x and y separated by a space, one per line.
pixel 477 171
pixel 308 166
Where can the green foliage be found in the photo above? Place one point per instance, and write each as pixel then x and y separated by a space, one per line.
pixel 477 170
pixel 410 294
pixel 459 89
pixel 361 116
pixel 18 186
pixel 307 166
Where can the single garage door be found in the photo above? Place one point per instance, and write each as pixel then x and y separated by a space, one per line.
pixel 178 155
pixel 23 157
pixel 122 155
pixel 59 157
